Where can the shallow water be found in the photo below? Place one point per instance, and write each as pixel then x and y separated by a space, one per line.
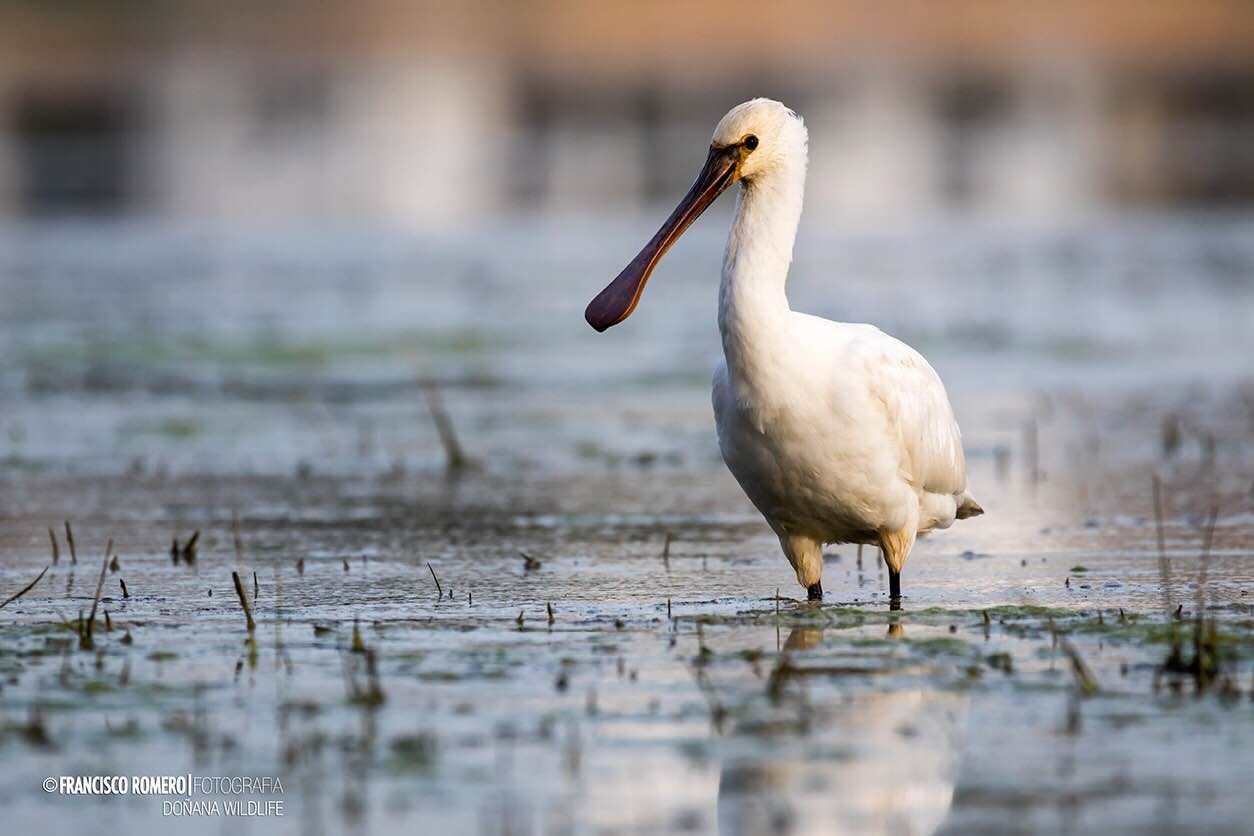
pixel 154 383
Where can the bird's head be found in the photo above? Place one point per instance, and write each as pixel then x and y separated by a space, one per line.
pixel 752 141
pixel 762 135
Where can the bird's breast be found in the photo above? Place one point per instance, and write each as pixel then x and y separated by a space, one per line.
pixel 802 463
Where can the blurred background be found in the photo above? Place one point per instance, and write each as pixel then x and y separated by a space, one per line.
pixel 291 202
pixel 430 114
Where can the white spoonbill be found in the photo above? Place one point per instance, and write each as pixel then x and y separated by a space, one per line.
pixel 837 432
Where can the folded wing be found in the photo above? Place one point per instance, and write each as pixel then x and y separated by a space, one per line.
pixel 916 408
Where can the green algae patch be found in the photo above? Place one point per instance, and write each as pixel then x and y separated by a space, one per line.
pixel 1233 641
pixel 940 646
pixel 1028 611
pixel 97 686
pixel 413 753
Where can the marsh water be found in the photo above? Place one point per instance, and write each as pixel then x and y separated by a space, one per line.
pixel 588 629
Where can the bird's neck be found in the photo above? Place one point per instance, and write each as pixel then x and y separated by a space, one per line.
pixel 753 305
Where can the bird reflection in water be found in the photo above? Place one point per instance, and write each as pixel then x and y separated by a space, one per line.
pixel 883 761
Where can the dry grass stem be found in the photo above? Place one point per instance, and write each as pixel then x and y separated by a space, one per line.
pixel 25 589
pixel 243 602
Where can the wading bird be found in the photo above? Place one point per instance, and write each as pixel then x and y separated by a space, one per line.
pixel 837 432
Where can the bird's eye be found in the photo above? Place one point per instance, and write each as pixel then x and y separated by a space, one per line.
pixel 751 142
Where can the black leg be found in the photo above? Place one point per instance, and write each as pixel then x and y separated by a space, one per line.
pixel 894 585
pixel 815 591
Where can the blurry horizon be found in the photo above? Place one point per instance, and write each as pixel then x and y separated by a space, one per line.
pixel 432 115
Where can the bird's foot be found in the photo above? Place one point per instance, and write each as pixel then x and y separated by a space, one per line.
pixel 814 591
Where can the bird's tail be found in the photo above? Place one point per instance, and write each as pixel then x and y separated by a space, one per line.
pixel 968 507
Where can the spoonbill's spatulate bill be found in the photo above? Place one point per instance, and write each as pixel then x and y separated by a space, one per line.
pixel 837 432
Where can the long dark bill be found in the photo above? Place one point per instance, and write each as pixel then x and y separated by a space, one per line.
pixel 620 297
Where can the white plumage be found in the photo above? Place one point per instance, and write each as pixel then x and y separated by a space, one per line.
pixel 837 432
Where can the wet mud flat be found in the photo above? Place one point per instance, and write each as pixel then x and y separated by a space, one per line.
pixel 494 653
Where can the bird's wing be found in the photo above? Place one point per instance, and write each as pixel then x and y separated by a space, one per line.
pixel 917 409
